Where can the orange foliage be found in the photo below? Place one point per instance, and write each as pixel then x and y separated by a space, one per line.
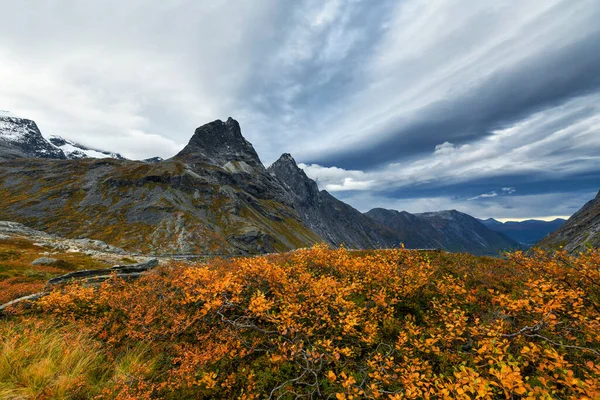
pixel 323 323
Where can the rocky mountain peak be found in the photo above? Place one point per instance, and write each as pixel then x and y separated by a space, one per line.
pixel 222 144
pixel 21 138
pixel 294 178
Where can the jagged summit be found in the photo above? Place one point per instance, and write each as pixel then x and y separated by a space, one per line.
pixel 222 144
pixel 295 179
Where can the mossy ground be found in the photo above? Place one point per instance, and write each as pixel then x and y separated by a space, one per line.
pixel 18 277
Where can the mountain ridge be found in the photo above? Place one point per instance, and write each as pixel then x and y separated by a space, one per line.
pixel 214 196
pixel 165 207
pixel 527 232
pixel 449 230
pixel 335 221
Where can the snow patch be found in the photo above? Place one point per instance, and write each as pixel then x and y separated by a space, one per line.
pixel 13 128
pixel 75 150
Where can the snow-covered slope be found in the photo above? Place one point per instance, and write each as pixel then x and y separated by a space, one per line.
pixel 76 151
pixel 21 138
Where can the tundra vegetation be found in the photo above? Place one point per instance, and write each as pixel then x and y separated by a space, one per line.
pixel 318 323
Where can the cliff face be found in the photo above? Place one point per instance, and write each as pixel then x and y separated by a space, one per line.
pixel 580 231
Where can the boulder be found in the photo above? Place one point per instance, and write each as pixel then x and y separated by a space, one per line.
pixel 44 261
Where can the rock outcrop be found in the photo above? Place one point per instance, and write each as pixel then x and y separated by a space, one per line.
pixel 221 144
pixel 130 271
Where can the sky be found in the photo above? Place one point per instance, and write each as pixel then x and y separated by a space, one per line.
pixel 488 107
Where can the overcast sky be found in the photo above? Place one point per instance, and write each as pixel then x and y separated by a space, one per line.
pixel 489 107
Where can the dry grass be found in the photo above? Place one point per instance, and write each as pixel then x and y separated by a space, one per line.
pixel 40 361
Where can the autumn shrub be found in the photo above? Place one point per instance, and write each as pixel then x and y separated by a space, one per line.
pixel 321 323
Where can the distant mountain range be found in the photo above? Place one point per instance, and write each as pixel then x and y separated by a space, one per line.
pixel 528 232
pixel 214 197
pixel 580 231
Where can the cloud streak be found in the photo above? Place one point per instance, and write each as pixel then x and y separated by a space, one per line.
pixel 403 100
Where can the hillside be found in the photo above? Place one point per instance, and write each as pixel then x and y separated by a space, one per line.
pixel 580 232
pixel 218 202
pixel 316 323
pixel 527 232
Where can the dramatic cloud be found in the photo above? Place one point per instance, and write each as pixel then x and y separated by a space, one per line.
pixel 402 101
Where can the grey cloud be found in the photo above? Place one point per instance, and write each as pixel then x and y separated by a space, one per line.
pixel 502 99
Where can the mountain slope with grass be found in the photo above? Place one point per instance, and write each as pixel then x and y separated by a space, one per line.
pixel 580 232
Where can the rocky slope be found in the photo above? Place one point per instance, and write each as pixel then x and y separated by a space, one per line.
pixel 76 151
pixel 21 138
pixel 449 230
pixel 580 231
pixel 214 197
pixel 528 232
pixel 335 221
